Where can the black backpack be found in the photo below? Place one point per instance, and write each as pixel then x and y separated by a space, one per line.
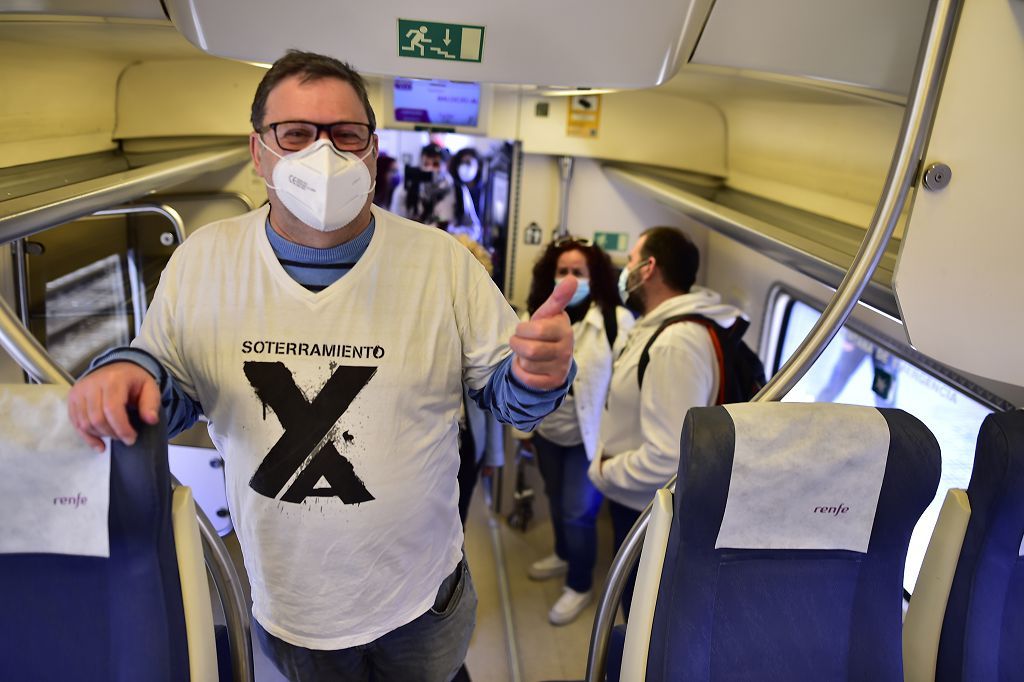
pixel 741 371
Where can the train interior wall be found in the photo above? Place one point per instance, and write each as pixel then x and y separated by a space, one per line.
pixel 91 86
pixel 88 85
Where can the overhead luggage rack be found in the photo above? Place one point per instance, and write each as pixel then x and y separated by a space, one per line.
pixel 819 247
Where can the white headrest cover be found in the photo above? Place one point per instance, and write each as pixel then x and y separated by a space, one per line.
pixel 54 489
pixel 804 476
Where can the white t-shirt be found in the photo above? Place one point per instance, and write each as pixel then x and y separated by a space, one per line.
pixel 353 394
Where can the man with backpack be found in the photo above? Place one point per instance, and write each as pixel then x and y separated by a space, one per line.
pixel 670 362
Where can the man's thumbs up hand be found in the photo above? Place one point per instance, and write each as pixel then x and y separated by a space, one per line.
pixel 543 346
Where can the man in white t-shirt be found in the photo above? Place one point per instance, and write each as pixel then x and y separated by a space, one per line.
pixel 328 343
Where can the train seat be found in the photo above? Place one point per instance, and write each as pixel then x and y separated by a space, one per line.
pixel 983 630
pixel 783 546
pixel 144 613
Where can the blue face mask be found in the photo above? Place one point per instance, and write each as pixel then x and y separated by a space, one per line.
pixel 582 290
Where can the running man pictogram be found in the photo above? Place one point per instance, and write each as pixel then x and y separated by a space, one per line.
pixel 419 38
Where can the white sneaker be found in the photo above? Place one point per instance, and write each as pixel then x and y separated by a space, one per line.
pixel 548 567
pixel 569 606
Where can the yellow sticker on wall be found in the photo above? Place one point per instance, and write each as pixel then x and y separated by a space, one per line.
pixel 584 116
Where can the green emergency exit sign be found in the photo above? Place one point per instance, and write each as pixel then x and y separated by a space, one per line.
pixel 612 241
pixel 432 40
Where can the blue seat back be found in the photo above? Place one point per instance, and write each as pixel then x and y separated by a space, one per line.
pixel 983 629
pixel 105 620
pixel 793 614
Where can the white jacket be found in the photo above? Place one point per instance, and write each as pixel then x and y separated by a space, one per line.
pixel 593 372
pixel 641 427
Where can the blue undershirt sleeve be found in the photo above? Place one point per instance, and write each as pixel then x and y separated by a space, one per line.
pixel 513 403
pixel 180 410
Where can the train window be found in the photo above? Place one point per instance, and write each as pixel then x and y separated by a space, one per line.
pixel 89 282
pixel 858 367
pixel 86 313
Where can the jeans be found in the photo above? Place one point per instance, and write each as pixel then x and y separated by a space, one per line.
pixel 429 649
pixel 623 518
pixel 574 503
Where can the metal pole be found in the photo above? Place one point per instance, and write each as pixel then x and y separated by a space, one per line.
pixel 236 611
pixel 914 131
pixel 27 352
pixel 21 279
pixel 565 166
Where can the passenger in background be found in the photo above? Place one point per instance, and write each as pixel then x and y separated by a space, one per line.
pixel 567 440
pixel 387 181
pixel 642 424
pixel 466 170
pixel 330 362
pixel 427 193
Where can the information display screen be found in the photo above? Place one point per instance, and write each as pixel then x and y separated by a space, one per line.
pixel 437 102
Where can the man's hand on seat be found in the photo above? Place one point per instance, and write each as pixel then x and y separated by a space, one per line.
pixel 543 345
pixel 98 403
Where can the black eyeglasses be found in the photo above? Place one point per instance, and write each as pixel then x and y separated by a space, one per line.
pixel 582 241
pixel 346 136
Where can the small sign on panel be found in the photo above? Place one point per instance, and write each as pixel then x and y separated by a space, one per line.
pixel 584 116
pixel 612 241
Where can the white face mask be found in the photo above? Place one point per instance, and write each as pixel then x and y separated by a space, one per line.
pixel 322 187
pixel 624 289
pixel 468 170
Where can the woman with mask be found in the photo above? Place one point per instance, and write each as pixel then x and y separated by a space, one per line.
pixel 466 170
pixel 566 441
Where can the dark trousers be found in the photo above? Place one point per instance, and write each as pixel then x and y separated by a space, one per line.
pixel 429 649
pixel 574 503
pixel 623 518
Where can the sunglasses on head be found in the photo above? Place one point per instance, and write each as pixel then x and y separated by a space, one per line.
pixel 582 241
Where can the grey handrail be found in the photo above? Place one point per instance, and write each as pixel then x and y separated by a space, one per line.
pixel 34 359
pixel 229 587
pixel 914 132
pixel 26 351
pixel 26 215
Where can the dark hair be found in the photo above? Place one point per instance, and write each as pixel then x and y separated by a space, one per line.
pixel 453 170
pixel 435 150
pixel 603 286
pixel 311 67
pixel 675 255
pixel 459 157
